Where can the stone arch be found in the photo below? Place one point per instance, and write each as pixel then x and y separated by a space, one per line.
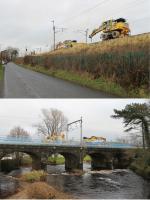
pixel 36 159
pixel 101 161
pixel 122 159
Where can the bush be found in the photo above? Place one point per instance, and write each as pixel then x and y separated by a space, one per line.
pixel 87 158
pixel 34 176
pixel 56 160
pixel 141 164
pixel 40 191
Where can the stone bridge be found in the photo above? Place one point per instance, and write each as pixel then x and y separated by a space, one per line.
pixel 102 157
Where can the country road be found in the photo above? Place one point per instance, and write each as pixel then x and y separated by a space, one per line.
pixel 23 83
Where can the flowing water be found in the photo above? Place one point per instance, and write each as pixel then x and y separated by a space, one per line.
pixel 104 184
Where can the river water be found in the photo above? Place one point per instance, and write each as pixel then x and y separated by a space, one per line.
pixel 104 184
pixel 107 184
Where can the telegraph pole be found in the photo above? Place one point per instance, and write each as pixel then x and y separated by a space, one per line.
pixel 81 139
pixel 80 121
pixel 54 32
pixel 67 133
pixel 86 35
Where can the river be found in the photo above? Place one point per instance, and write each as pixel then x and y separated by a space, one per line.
pixel 105 184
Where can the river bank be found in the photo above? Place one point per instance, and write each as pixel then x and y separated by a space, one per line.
pixel 141 164
pixel 28 185
pixel 38 190
pixel 104 184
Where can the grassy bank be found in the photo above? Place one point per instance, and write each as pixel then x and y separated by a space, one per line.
pixel 59 160
pixel 117 66
pixel 85 79
pixel 32 185
pixel 141 164
pixel 38 190
pixel 56 160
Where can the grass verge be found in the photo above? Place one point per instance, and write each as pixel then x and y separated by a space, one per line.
pixel 86 80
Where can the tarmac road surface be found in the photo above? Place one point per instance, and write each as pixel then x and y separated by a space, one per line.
pixel 24 83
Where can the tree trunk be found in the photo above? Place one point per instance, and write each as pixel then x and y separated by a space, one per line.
pixel 146 133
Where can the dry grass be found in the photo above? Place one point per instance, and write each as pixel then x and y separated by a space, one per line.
pixel 41 191
pixel 38 190
pixel 34 176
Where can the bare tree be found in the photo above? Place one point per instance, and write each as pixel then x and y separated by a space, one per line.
pixel 53 123
pixel 12 52
pixel 18 132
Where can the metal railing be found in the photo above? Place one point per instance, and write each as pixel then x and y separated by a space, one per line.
pixel 41 142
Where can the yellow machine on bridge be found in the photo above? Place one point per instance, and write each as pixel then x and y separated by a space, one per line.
pixel 94 139
pixel 66 44
pixel 55 138
pixel 112 29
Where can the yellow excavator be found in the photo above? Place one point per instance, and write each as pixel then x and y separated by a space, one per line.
pixel 66 44
pixel 112 29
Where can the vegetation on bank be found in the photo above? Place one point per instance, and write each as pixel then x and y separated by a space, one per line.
pixel 87 158
pixel 59 160
pixel 34 176
pixel 117 66
pixel 86 80
pixel 38 190
pixel 42 190
pixel 141 164
pixel 56 160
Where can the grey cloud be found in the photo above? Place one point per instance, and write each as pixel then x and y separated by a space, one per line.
pixel 29 22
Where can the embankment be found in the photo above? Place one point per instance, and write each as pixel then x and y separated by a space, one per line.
pixel 118 66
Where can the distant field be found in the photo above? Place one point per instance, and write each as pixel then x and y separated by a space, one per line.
pixel 123 62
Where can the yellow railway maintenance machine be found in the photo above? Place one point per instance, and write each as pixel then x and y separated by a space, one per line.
pixel 112 29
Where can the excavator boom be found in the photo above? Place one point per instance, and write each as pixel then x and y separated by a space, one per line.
pixel 95 31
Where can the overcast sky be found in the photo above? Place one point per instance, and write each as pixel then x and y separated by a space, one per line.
pixel 27 23
pixel 96 115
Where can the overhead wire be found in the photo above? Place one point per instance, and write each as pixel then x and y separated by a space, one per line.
pixel 135 3
pixel 85 11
